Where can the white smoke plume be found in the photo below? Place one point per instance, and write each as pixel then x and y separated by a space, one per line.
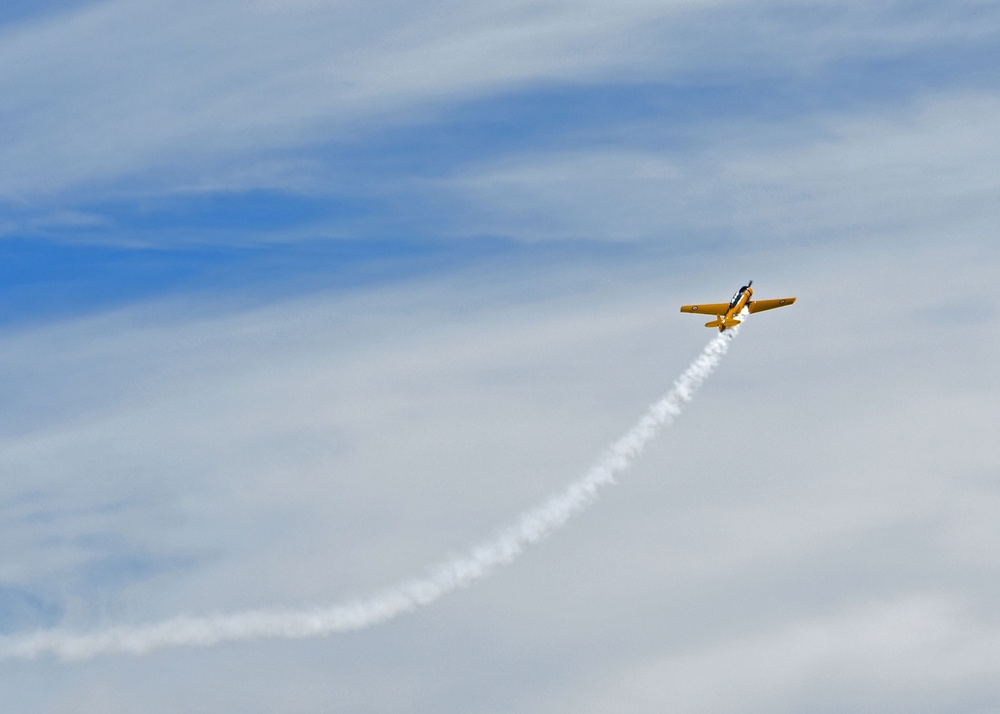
pixel 480 561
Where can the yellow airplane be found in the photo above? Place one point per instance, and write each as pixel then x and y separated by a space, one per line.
pixel 725 315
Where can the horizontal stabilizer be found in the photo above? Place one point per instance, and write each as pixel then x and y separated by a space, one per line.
pixel 723 323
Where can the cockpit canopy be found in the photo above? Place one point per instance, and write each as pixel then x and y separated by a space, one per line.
pixel 739 292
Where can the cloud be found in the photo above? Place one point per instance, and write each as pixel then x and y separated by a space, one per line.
pixel 923 170
pixel 116 88
pixel 180 95
pixel 317 449
pixel 480 561
pixel 122 408
pixel 901 653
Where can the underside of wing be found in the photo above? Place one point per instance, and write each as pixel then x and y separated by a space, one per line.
pixel 761 305
pixel 708 308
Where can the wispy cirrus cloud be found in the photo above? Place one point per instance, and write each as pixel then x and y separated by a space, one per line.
pixel 116 88
pixel 178 95
pixel 923 169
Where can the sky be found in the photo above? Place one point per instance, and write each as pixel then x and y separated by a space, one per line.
pixel 299 298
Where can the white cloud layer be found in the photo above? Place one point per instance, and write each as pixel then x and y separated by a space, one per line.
pixel 830 492
pixel 480 561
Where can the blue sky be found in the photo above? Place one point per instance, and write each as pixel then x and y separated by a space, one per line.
pixel 387 180
pixel 299 297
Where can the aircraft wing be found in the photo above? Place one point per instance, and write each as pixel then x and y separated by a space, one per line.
pixel 760 305
pixel 708 308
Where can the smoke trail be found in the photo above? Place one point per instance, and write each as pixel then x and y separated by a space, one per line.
pixel 532 526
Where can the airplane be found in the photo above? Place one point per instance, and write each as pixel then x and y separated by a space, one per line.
pixel 725 315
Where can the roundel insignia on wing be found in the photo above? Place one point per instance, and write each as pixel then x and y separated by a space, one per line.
pixel 694 308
